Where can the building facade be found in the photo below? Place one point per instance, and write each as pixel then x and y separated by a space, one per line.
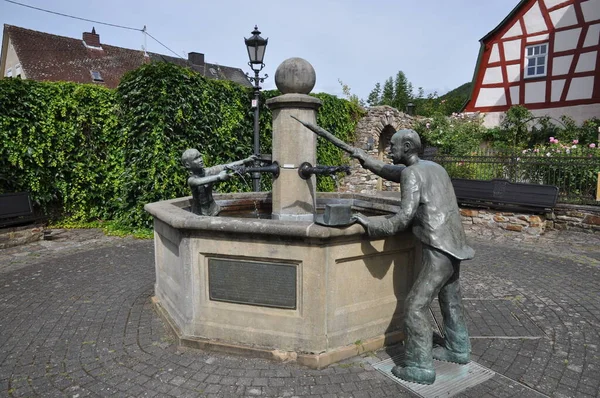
pixel 544 56
pixel 29 54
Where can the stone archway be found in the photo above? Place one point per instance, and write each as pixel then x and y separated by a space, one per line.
pixel 383 150
pixel 373 134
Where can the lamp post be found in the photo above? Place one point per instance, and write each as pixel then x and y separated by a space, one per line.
pixel 256 46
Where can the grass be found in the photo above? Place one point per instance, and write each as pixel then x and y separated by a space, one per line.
pixel 110 228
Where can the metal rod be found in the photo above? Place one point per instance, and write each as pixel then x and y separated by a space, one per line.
pixel 256 176
pixel 598 188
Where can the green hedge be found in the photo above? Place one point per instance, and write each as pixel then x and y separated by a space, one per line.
pixel 61 142
pixel 87 153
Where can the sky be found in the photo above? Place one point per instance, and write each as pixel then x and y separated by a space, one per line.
pixel 360 42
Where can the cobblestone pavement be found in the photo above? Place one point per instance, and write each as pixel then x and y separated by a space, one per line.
pixel 76 321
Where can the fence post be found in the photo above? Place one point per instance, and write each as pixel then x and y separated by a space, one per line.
pixel 598 188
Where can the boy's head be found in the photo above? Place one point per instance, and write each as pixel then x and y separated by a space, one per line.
pixel 192 160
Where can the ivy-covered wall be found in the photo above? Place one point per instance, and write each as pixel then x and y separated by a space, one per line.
pixel 85 153
pixel 62 143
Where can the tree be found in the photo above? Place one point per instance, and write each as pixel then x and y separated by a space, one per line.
pixel 402 92
pixel 375 96
pixel 387 97
pixel 349 95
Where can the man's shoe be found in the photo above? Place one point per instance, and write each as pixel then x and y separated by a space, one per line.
pixel 444 354
pixel 414 374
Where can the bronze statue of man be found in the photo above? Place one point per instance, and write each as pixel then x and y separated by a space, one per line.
pixel 428 203
pixel 202 178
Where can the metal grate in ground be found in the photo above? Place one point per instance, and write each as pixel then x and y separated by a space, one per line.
pixel 451 378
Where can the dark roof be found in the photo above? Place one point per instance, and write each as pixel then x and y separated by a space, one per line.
pixel 211 71
pixel 48 57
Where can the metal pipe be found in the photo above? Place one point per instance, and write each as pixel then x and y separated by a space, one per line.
pixel 306 170
pixel 256 175
pixel 273 168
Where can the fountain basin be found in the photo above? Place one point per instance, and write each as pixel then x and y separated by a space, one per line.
pixel 281 289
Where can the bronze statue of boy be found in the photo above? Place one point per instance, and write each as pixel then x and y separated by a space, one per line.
pixel 428 204
pixel 202 178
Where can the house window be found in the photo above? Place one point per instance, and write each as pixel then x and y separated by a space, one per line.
pixel 9 72
pixel 96 76
pixel 18 70
pixel 536 60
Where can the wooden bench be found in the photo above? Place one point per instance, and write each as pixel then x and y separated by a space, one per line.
pixel 15 209
pixel 503 194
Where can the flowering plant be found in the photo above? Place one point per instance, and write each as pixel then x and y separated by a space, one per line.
pixel 571 166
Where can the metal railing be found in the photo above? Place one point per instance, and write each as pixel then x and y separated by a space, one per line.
pixel 574 173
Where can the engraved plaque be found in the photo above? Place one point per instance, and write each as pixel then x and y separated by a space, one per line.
pixel 254 283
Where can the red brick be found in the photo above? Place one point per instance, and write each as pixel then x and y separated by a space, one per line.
pixel 469 213
pixel 514 227
pixel 590 219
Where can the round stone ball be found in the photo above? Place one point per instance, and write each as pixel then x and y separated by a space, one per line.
pixel 295 76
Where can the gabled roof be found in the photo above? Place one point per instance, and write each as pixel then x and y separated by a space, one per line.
pixel 507 19
pixel 211 71
pixel 48 57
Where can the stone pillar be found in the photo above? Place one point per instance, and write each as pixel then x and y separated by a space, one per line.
pixel 294 199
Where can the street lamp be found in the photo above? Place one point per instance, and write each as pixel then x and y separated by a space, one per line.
pixel 256 46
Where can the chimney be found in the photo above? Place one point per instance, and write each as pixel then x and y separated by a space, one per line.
pixel 91 39
pixel 196 58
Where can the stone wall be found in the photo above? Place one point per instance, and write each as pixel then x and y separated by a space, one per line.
pixel 373 134
pixel 564 217
pixel 572 217
pixel 16 236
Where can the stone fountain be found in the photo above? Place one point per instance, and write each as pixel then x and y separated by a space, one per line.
pixel 282 286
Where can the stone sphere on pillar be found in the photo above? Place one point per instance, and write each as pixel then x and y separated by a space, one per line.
pixel 295 76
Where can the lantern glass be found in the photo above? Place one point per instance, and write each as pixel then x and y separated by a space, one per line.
pixel 256 46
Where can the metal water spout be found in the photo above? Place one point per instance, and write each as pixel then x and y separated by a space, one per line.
pixel 306 170
pixel 273 168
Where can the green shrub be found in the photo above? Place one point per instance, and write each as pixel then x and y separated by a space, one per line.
pixel 90 153
pixel 457 135
pixel 61 143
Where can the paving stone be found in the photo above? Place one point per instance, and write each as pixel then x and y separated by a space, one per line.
pixel 76 319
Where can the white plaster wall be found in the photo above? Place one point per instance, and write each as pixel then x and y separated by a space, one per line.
pixel 564 17
pixel 544 37
pixel 12 61
pixel 493 75
pixel 514 95
pixel 557 89
pixel 495 55
pixel 513 73
pixel 579 113
pixel 512 49
pixel 514 30
pixel 566 39
pixel 593 35
pixel 561 65
pixel 534 21
pixel 581 88
pixel 552 3
pixel 491 97
pixel 492 119
pixel 591 10
pixel 535 92
pixel 587 62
